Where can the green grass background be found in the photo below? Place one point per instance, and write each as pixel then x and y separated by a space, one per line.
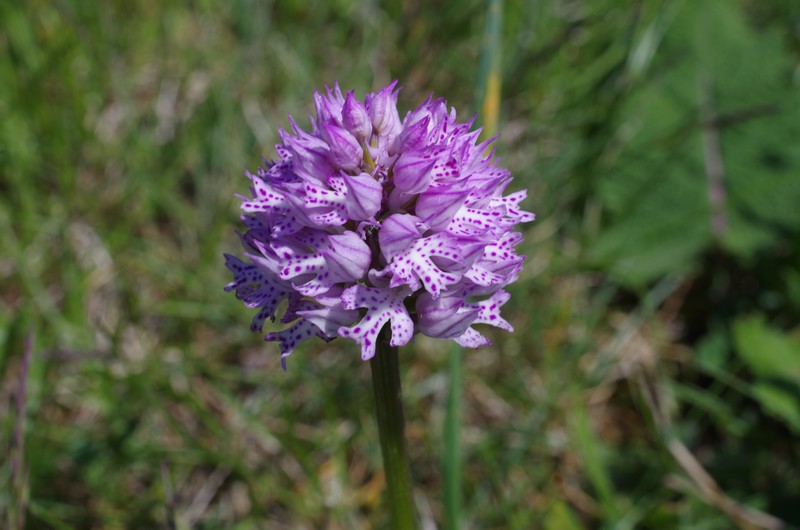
pixel 654 377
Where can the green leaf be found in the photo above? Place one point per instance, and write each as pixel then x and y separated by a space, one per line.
pixel 713 350
pixel 775 358
pixel 561 517
pixel 767 351
pixel 716 407
pixel 779 402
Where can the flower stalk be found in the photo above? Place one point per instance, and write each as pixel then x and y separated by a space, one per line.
pixel 391 426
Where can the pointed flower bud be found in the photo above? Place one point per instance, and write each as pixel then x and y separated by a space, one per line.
pixel 345 151
pixel 412 137
pixel 437 207
pixel 355 118
pixel 364 195
pixel 326 111
pixel 348 257
pixel 445 317
pixel 397 233
pixel 382 108
pixel 412 174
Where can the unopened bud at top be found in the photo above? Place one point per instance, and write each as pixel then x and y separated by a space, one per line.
pixel 413 136
pixel 355 117
pixel 382 109
pixel 345 151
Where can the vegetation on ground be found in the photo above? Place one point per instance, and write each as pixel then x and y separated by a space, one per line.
pixel 653 380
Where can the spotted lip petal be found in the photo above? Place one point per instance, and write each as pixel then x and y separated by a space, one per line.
pixel 432 263
pixel 365 216
pixel 289 338
pixel 488 313
pixel 383 305
pixel 256 288
pixel 337 259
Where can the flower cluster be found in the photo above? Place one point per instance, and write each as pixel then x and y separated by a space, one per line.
pixel 369 219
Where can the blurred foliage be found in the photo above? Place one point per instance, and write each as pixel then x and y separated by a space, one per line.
pixel 658 310
pixel 774 358
pixel 718 94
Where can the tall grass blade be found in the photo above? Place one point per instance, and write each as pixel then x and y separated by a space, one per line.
pixel 488 101
pixel 487 94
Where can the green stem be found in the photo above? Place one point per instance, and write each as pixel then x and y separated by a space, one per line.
pixel 452 451
pixel 389 410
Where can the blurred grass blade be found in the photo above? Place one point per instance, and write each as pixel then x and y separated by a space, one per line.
pixel 488 100
pixel 643 51
pixel 591 451
pixel 489 83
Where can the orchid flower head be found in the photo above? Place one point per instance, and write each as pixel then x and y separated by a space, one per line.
pixel 370 220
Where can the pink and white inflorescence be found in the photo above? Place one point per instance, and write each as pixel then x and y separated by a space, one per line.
pixel 369 219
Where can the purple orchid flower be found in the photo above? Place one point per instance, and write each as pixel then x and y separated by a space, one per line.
pixel 369 220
